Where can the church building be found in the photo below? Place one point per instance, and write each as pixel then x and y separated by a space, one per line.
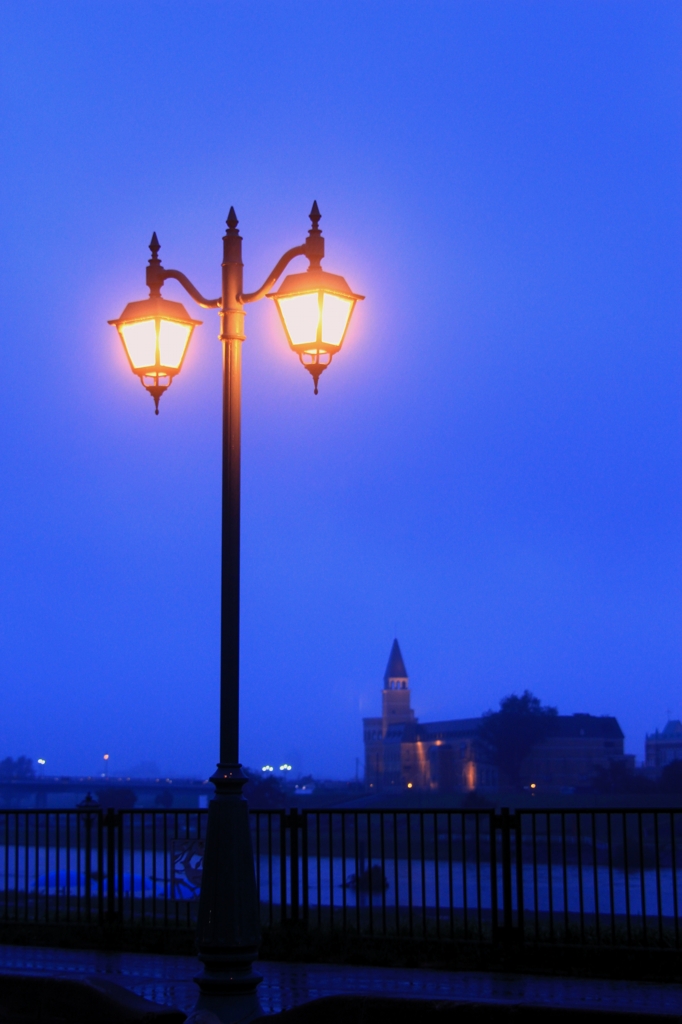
pixel 401 752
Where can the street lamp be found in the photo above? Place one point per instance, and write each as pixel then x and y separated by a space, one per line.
pixel 315 308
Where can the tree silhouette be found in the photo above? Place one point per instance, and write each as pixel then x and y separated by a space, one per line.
pixel 510 733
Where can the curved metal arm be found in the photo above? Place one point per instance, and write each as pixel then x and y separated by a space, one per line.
pixel 298 250
pixel 177 275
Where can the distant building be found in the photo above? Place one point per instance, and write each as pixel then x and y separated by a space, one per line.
pixel 401 752
pixel 664 747
pixel 578 746
pixel 448 756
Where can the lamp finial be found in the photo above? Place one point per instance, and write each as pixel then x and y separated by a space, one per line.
pixel 154 246
pixel 232 220
pixel 315 214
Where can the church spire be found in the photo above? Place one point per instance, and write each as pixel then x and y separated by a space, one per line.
pixel 396 666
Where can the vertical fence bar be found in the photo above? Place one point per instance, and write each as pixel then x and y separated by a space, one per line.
pixel 359 868
pixel 422 854
pixel 293 862
pixel 318 847
pixel 436 871
pixel 550 875
pixel 609 837
pixel 626 867
pixel 111 865
pixel 304 865
pixel 395 872
pixel 505 824
pixel 408 824
pixel 657 857
pixel 519 877
pixel 595 871
pixel 283 866
pixel 479 908
pixel 68 866
pixel 100 868
pixel 642 887
pixel 536 908
pixel 370 880
pixel 673 858
pixel 344 873
pixel 564 869
pixel 270 881
pixel 451 899
pixel 581 895
pixel 494 909
pixel 331 876
pixel 465 900
pixel 384 880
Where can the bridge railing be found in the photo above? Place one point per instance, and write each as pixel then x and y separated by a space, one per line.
pixel 590 876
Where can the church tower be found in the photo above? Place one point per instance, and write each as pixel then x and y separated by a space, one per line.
pixel 395 702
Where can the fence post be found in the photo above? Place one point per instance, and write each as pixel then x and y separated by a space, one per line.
pixel 505 821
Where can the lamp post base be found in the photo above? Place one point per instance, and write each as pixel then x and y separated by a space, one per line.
pixel 228 932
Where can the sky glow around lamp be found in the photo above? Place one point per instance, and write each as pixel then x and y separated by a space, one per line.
pixel 315 308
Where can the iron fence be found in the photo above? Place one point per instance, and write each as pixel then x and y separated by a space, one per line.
pixel 543 876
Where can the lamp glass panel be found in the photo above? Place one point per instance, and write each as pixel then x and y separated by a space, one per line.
pixel 173 338
pixel 301 315
pixel 140 341
pixel 335 316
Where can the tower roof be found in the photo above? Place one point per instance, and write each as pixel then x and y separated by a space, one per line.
pixel 396 666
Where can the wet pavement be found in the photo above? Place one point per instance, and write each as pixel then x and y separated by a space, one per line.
pixel 168 980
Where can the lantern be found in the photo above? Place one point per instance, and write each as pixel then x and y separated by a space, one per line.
pixel 315 308
pixel 155 333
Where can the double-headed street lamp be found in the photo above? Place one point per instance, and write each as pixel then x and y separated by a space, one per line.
pixel 315 308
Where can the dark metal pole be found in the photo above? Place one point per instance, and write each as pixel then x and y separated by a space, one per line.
pixel 228 933
pixel 232 336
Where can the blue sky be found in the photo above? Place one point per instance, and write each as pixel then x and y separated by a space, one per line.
pixel 491 470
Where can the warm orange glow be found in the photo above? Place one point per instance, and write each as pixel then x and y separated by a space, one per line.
pixel 335 315
pixel 532 785
pixel 140 342
pixel 315 308
pixel 409 785
pixel 155 333
pixel 155 344
pixel 301 316
pixel 470 775
pixel 315 320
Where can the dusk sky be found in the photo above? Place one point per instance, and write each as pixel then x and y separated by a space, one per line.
pixel 491 471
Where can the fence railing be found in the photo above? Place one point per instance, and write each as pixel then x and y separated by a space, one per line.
pixel 570 876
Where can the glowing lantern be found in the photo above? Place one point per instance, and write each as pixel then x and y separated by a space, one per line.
pixel 315 308
pixel 155 333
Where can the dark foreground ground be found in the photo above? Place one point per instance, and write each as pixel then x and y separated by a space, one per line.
pixel 40 985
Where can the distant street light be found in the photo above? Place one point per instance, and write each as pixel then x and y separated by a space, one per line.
pixel 285 767
pixel 315 308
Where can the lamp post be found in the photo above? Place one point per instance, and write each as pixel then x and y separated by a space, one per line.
pixel 315 308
